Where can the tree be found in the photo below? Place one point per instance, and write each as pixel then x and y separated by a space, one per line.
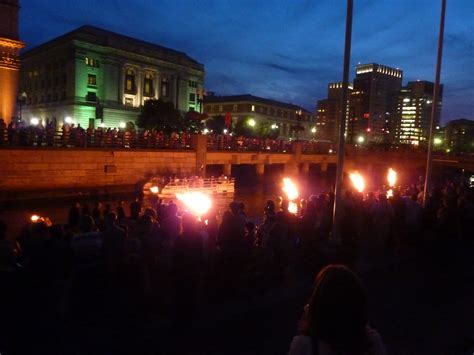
pixel 242 128
pixel 216 124
pixel 161 115
pixel 192 121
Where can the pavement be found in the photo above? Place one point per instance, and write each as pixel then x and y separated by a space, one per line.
pixel 420 303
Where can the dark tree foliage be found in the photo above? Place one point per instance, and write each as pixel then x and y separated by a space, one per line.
pixel 262 129
pixel 216 124
pixel 192 121
pixel 161 115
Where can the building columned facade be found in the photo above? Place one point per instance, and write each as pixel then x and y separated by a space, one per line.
pixel 285 117
pixel 414 108
pixel 373 100
pixel 96 77
pixel 10 46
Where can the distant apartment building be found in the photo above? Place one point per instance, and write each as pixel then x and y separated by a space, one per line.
pixel 328 113
pixel 284 117
pixel 460 135
pixel 372 113
pixel 97 77
pixel 414 107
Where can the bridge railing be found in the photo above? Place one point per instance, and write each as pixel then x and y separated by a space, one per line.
pixel 76 137
pixel 233 143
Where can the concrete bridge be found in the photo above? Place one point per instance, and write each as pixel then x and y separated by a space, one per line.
pixel 48 171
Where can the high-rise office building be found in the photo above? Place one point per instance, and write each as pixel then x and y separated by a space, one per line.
pixel 460 135
pixel 328 112
pixel 10 46
pixel 415 102
pixel 372 113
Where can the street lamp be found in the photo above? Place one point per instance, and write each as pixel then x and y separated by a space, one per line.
pixel 21 101
pixel 360 139
pixel 251 122
pixel 34 121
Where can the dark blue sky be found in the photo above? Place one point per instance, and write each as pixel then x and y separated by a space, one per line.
pixel 287 50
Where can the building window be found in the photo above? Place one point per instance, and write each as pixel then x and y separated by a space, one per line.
pixel 148 85
pixel 91 79
pixel 192 97
pixel 92 62
pixel 252 108
pixel 234 108
pixel 91 96
pixel 165 87
pixel 129 102
pixel 193 84
pixel 130 86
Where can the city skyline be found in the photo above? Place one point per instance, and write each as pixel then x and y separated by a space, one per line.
pixel 287 52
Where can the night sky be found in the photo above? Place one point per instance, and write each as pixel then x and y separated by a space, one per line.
pixel 285 50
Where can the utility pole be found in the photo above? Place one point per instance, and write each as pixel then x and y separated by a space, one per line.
pixel 342 124
pixel 434 108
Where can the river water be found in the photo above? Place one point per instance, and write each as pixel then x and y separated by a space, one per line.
pixel 252 192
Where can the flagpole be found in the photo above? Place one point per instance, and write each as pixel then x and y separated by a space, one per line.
pixel 342 124
pixel 434 108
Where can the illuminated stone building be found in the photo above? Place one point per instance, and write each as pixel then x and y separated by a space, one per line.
pixel 97 77
pixel 328 112
pixel 414 107
pixel 373 100
pixel 10 46
pixel 280 115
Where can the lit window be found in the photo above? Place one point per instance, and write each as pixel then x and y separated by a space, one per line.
pixel 130 86
pixel 92 62
pixel 234 108
pixel 148 85
pixel 220 108
pixel 91 79
pixel 253 108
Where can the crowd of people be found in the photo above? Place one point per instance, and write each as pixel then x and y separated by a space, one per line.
pixel 139 261
pixel 50 134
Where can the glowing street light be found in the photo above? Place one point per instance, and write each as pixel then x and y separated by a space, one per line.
pixel 437 141
pixel 197 202
pixel 68 120
pixel 360 139
pixel 34 121
pixel 358 181
pixel 274 126
pixel 205 131
pixel 251 122
pixel 122 125
pixel 35 218
pixel 313 130
pixel 225 131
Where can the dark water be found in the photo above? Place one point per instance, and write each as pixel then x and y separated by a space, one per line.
pixel 252 192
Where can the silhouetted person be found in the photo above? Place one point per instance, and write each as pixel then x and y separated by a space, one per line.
pixel 335 319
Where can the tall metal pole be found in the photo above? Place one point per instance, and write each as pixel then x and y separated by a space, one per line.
pixel 434 108
pixel 342 124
